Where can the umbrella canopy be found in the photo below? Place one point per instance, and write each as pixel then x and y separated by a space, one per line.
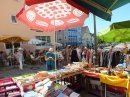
pixel 52 16
pixel 99 8
pixel 46 16
pixel 31 2
pixel 13 39
pixel 54 43
pixel 35 41
pixel 116 32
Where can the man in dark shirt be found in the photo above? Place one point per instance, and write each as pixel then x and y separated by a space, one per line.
pixel 4 56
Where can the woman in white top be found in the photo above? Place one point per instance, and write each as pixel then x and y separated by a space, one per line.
pixel 59 57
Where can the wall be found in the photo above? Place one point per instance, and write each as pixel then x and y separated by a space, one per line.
pixel 28 47
pixel 12 7
pixel 86 37
pixel 2 47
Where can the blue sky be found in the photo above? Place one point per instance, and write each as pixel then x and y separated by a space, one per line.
pixel 120 14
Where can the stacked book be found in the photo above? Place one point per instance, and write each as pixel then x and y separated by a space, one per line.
pixel 63 91
pixel 48 88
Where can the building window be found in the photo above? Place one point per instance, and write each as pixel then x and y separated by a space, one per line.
pixel 16 0
pixel 39 31
pixel 9 45
pixel 65 37
pixel 59 37
pixel 13 19
pixel 44 38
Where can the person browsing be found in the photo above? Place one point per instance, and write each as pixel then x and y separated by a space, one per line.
pixel 50 60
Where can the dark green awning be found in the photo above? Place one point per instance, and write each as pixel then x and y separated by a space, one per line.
pixel 100 8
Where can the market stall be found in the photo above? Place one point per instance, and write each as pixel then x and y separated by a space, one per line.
pixel 116 81
pixel 43 83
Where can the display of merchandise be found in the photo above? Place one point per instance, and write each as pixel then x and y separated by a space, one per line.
pixel 74 94
pixel 41 84
pixel 9 88
pixel 62 95
pixel 67 91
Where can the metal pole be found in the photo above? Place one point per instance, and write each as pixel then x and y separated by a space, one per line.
pixel 12 52
pixel 63 38
pixel 55 44
pixel 95 33
pixel 95 40
pixel 105 91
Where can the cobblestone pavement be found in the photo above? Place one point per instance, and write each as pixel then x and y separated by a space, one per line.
pixel 12 71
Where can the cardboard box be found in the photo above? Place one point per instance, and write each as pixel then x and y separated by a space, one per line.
pixel 28 87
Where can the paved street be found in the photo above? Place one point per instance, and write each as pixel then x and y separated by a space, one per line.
pixel 12 71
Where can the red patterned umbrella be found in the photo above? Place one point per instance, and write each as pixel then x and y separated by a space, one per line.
pixel 31 2
pixel 42 16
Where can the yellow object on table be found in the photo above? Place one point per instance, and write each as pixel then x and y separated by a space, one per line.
pixel 115 81
pixel 125 50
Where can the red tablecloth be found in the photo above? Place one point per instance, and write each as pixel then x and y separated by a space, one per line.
pixel 91 74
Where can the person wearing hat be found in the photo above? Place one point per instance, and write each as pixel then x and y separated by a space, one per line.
pixel 20 58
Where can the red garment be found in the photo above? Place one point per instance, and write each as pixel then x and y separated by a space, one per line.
pixel 88 56
pixel 98 53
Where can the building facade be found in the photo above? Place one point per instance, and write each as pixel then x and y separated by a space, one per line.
pixel 62 37
pixel 87 38
pixel 75 36
pixel 10 26
pixel 71 36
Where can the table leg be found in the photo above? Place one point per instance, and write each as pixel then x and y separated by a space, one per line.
pixel 105 91
pixel 127 93
pixel 61 81
pixel 85 83
pixel 10 61
pixel 101 90
pixel 64 82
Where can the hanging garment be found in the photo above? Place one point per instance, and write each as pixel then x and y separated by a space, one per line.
pixel 74 56
pixel 113 61
pixel 117 57
pixel 121 58
pixel 98 57
pixel 91 56
pixel 105 60
pixel 101 59
pixel 87 56
pixel 110 59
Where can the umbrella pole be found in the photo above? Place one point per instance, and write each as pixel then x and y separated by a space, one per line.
pixel 55 45
pixel 12 51
pixel 95 41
